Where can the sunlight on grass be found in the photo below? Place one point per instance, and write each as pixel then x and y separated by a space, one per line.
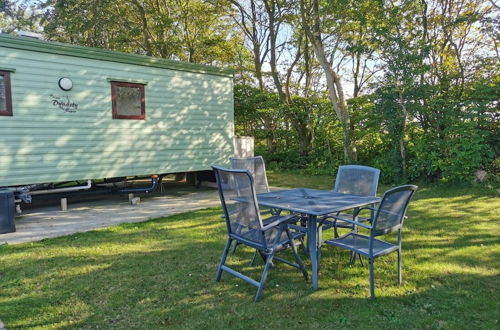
pixel 160 274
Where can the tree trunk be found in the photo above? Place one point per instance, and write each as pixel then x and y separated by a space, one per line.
pixel 145 34
pixel 251 30
pixel 402 150
pixel 258 65
pixel 271 145
pixel 334 85
pixel 270 6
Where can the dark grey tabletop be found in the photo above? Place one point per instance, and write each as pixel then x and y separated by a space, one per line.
pixel 313 201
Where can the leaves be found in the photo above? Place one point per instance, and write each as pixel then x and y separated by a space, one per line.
pixel 193 31
pixel 423 74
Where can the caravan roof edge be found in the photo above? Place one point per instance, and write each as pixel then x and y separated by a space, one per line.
pixel 53 47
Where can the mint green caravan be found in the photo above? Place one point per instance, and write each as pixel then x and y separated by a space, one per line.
pixel 71 113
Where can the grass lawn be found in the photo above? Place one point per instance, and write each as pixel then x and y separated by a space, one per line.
pixel 160 274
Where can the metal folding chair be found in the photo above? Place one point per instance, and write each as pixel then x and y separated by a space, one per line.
pixel 355 180
pixel 388 218
pixel 245 225
pixel 256 167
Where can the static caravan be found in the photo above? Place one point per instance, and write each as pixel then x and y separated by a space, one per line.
pixel 76 113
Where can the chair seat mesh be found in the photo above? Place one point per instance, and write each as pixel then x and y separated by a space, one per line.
pixel 361 244
pixel 273 239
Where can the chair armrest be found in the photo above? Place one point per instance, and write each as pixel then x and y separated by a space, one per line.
pixel 364 208
pixel 367 208
pixel 279 220
pixel 334 220
pixel 360 224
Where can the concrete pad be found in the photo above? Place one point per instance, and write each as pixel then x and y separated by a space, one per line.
pixel 38 224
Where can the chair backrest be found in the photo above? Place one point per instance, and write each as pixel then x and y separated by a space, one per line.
pixel 239 202
pixel 357 180
pixel 392 209
pixel 255 165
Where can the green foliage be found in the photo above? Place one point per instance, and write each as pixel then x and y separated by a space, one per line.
pixel 19 15
pixel 453 158
pixel 461 139
pixel 459 135
pixel 303 135
pixel 193 31
pixel 448 138
pixel 430 115
pixel 428 71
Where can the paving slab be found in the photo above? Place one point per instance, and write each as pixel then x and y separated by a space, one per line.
pixel 41 223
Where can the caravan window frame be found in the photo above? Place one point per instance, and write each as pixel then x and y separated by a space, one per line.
pixel 114 96
pixel 8 93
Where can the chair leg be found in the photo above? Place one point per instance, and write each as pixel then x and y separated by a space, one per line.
pixel 353 254
pixel 319 257
pixel 400 262
pixel 372 280
pixel 223 259
pixel 296 254
pixel 352 260
pixel 320 235
pixel 255 255
pixel 361 260
pixel 233 250
pixel 263 256
pixel 319 243
pixel 253 258
pixel 303 246
pixel 263 278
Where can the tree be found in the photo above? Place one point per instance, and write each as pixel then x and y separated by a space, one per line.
pixel 192 30
pixel 313 26
pixel 251 21
pixel 19 15
pixel 401 45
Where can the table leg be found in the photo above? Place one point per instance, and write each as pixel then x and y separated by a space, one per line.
pixel 313 249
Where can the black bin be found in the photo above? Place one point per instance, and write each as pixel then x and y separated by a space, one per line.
pixel 7 211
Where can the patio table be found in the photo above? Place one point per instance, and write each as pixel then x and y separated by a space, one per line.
pixel 313 203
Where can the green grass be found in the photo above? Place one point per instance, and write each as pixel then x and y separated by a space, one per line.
pixel 160 274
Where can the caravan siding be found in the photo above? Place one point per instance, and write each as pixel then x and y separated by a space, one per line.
pixel 188 123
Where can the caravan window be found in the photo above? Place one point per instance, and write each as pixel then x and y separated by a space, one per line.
pixel 5 96
pixel 128 100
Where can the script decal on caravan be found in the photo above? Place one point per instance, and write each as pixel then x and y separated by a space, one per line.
pixel 63 103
